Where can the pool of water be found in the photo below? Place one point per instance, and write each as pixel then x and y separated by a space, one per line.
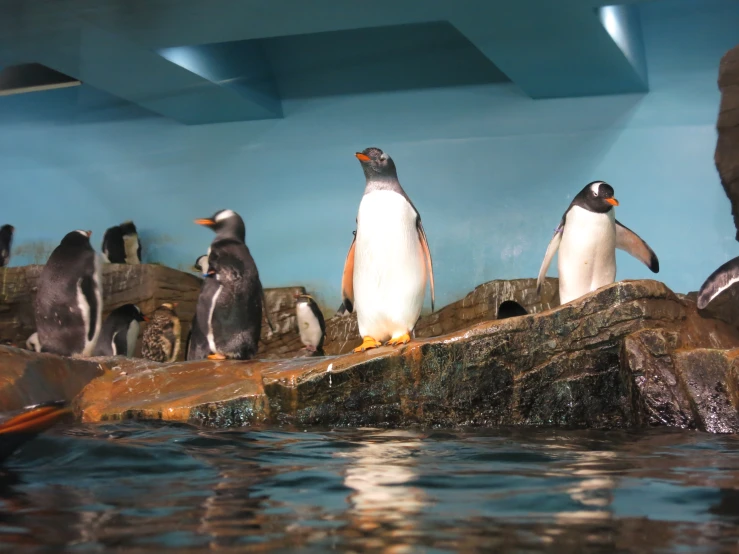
pixel 152 488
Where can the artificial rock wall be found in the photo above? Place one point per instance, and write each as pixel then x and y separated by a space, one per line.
pixel 727 146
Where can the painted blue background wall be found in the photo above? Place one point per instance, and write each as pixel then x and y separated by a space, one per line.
pixel 490 170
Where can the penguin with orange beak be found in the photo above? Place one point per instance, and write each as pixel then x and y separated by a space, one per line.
pixel 587 238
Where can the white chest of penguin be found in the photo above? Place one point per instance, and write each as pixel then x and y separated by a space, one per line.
pixel 310 328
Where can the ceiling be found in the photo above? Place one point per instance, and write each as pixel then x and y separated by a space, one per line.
pixel 198 61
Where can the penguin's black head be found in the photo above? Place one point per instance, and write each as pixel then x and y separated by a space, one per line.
pixel 377 165
pixel 128 228
pixel 596 197
pixel 132 312
pixel 77 238
pixel 226 223
pixel 7 231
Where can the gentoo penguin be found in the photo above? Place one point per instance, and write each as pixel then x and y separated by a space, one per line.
pixel 121 244
pixel 69 301
pixel 228 317
pixel 389 261
pixel 510 308
pixel 311 324
pixel 161 340
pixel 32 343
pixel 587 238
pixel 201 264
pixel 18 427
pixel 120 332
pixel 718 282
pixel 6 243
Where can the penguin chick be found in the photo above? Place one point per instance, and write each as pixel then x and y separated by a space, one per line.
pixel 120 332
pixel 510 308
pixel 311 324
pixel 161 340
pixel 389 261
pixel 717 282
pixel 201 265
pixel 69 301
pixel 587 237
pixel 32 343
pixel 121 244
pixel 6 243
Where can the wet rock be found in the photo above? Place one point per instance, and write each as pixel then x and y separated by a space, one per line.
pixel 605 360
pixel 727 146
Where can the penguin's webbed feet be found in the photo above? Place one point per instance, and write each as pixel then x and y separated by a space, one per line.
pixel 216 356
pixel 402 339
pixel 367 343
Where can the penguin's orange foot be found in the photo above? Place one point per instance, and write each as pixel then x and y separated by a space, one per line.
pixel 402 339
pixel 367 343
pixel 216 357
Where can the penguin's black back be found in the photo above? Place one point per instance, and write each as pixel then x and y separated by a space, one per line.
pixel 6 242
pixel 113 246
pixel 59 322
pixel 118 322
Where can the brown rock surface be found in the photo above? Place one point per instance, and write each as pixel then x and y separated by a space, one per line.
pixel 568 366
pixel 727 146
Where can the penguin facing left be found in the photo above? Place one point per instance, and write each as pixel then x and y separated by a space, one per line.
pixel 120 332
pixel 69 300
pixel 6 243
pixel 587 238
pixel 162 337
pixel 311 323
pixel 121 244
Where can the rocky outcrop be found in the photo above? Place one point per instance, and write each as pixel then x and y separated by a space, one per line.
pixel 626 355
pixel 727 146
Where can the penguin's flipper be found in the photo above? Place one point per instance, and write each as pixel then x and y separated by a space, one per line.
pixel 551 250
pixel 718 282
pixel 347 280
pixel 266 312
pixel 427 253
pixel 630 242
pixel 120 340
pixel 87 287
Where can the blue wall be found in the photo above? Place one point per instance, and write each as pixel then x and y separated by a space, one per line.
pixel 490 170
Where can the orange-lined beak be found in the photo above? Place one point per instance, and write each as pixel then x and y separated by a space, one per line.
pixel 362 157
pixel 206 221
pixel 612 201
pixel 145 318
pixel 89 234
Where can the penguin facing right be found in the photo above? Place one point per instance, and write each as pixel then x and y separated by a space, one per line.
pixel 718 281
pixel 6 243
pixel 120 332
pixel 587 238
pixel 311 323
pixel 69 300
pixel 162 337
pixel 121 244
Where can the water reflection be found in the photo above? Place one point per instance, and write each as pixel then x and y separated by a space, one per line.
pixel 154 488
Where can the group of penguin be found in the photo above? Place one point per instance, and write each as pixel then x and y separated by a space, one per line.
pixel 386 272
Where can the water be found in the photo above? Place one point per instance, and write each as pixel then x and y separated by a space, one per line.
pixel 153 488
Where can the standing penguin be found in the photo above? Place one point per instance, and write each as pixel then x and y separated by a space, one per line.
pixel 228 317
pixel 6 243
pixel 121 244
pixel 69 301
pixel 389 261
pixel 311 324
pixel 161 340
pixel 587 238
pixel 120 332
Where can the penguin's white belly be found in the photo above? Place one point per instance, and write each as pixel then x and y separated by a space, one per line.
pixel 587 253
pixel 85 309
pixel 389 267
pixel 131 246
pixel 310 328
pixel 131 337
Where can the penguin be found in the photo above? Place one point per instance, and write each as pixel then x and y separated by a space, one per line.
pixel 32 343
pixel 311 324
pixel 228 316
pixel 120 331
pixel 69 300
pixel 718 282
pixel 587 238
pixel 161 340
pixel 6 243
pixel 121 244
pixel 201 265
pixel 510 308
pixel 389 261
pixel 20 426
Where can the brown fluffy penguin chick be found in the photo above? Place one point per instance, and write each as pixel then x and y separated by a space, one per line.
pixel 161 340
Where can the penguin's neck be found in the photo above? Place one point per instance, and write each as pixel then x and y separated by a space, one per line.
pixel 383 183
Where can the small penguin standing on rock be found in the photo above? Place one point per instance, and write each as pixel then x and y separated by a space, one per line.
pixel 69 300
pixel 389 262
pixel 587 238
pixel 311 324
pixel 121 244
pixel 161 340
pixel 718 281
pixel 6 243
pixel 228 318
pixel 120 332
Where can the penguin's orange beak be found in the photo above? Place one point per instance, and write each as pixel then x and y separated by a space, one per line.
pixel 206 221
pixel 612 201
pixel 362 157
pixel 145 318
pixel 89 234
